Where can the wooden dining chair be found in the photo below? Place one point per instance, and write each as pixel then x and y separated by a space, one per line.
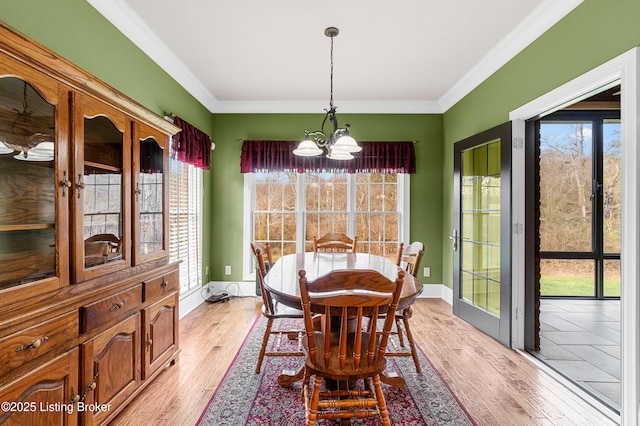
pixel 265 250
pixel 344 351
pixel 101 248
pixel 335 242
pixel 408 259
pixel 273 311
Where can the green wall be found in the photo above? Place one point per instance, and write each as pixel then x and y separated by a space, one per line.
pixel 227 183
pixel 595 32
pixel 77 32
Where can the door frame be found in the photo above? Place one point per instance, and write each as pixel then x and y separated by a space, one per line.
pixel 624 69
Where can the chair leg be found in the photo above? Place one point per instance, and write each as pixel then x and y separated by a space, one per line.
pixel 400 337
pixel 406 314
pixel 305 386
pixel 265 340
pixel 315 401
pixel 382 404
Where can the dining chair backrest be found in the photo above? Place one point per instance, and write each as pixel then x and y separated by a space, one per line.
pixel 347 298
pixel 409 257
pixel 267 300
pixel 334 242
pixel 265 251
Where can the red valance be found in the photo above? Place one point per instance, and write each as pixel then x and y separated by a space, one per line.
pixel 191 145
pixel 375 157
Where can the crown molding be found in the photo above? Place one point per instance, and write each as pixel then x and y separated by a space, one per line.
pixel 129 23
pixel 374 107
pixel 545 16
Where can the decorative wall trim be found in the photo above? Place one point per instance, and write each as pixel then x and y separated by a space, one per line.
pixel 129 23
pixel 248 288
pixel 547 14
pixel 190 301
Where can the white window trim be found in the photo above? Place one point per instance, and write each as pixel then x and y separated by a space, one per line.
pixel 249 207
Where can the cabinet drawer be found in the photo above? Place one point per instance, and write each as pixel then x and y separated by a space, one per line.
pixel 21 347
pixel 110 308
pixel 159 287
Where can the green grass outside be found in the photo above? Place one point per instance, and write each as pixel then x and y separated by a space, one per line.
pixel 575 286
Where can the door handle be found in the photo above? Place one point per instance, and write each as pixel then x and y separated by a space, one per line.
pixel 454 240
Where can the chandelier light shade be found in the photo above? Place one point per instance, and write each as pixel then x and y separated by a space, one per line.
pixel 28 135
pixel 338 143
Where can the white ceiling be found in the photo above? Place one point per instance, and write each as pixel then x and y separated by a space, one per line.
pixel 405 56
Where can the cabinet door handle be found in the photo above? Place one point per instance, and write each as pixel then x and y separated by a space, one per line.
pixel 164 285
pixel 138 191
pixel 117 306
pixel 149 342
pixel 80 184
pixel 65 183
pixel 91 386
pixel 74 398
pixel 35 344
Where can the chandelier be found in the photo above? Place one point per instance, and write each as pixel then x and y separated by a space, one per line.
pixel 339 144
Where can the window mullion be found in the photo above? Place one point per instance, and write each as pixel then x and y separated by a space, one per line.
pixel 300 213
pixel 351 204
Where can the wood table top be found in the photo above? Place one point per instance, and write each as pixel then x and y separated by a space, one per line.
pixel 282 278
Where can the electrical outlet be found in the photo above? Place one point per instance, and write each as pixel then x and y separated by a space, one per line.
pixel 227 270
pixel 427 271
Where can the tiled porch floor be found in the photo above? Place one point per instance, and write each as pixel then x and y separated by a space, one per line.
pixel 581 340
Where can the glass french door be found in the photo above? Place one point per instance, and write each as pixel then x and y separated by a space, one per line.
pixel 482 232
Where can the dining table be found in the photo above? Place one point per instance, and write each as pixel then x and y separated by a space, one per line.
pixel 282 281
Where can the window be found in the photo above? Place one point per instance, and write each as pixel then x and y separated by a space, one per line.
pixel 185 222
pixel 287 209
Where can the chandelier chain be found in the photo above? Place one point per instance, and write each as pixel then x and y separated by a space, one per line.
pixel 331 78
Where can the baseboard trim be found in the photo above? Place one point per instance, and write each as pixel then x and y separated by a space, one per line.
pixel 190 301
pixel 437 291
pixel 248 288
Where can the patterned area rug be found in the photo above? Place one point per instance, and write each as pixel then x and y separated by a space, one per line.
pixel 246 398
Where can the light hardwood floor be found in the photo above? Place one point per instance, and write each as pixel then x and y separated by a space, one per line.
pixel 496 385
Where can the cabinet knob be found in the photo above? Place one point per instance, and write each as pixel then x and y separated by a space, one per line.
pixel 35 344
pixel 149 341
pixel 65 183
pixel 117 306
pixel 164 286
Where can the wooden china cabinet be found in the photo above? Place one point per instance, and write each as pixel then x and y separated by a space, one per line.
pixel 88 296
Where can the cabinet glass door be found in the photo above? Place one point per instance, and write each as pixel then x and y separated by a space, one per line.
pixel 102 149
pixel 150 198
pixel 30 225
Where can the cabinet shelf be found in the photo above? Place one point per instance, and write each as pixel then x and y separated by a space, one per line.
pixel 27 227
pixel 102 166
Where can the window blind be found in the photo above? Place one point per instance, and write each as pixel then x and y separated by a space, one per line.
pixel 185 227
